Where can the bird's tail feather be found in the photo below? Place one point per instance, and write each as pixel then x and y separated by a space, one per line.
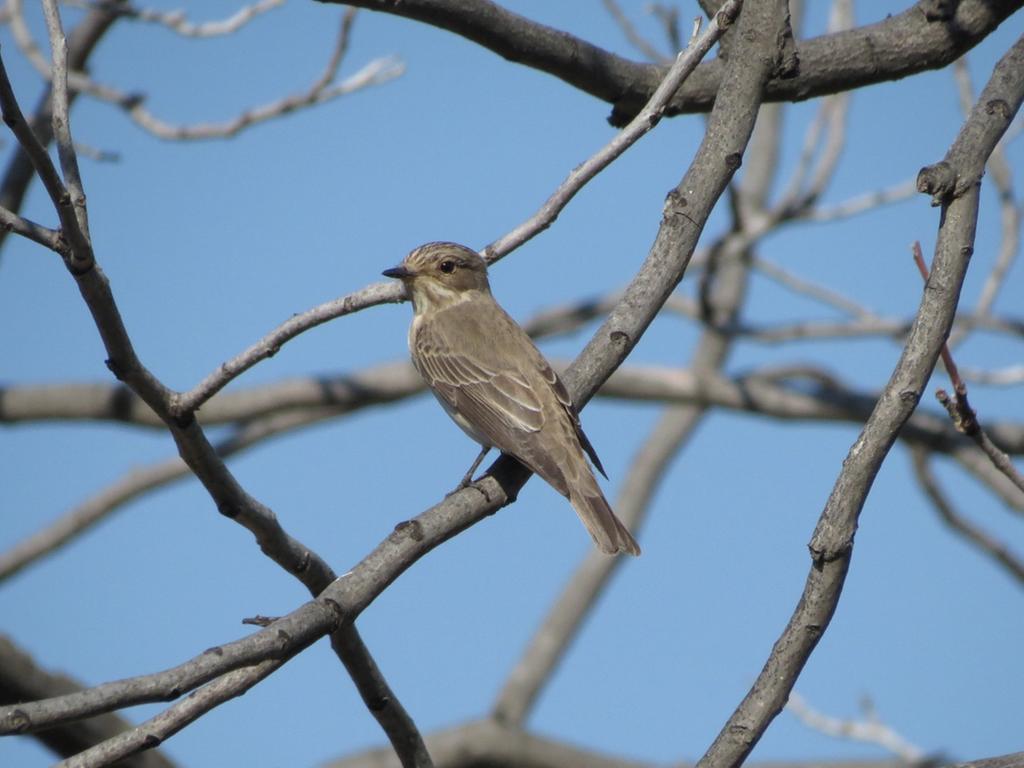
pixel 607 530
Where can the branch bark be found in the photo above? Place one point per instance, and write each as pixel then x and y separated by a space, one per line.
pixel 901 45
pixel 21 679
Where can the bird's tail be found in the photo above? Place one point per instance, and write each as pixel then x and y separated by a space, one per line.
pixel 607 530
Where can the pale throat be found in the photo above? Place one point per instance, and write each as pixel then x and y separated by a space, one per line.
pixel 431 296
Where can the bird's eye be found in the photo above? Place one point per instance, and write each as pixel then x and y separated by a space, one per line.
pixel 447 266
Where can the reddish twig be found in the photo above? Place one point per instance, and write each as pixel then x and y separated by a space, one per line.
pixel 964 417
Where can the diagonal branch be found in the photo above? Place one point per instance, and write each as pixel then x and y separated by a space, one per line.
pixel 21 679
pixel 832 543
pixel 991 546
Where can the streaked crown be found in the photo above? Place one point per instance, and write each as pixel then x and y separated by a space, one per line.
pixel 440 275
pixel 454 266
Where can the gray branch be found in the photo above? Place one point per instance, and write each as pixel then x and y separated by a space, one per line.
pixel 914 41
pixel 21 679
pixel 832 543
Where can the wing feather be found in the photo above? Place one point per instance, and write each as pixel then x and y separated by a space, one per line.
pixel 487 370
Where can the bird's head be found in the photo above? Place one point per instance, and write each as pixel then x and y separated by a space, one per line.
pixel 437 275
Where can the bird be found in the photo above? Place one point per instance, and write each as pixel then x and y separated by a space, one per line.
pixel 496 385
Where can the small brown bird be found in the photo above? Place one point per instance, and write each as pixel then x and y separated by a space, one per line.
pixel 496 385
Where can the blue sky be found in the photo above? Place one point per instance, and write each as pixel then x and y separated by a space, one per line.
pixel 210 245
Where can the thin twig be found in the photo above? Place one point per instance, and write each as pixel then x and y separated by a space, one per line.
pixel 959 408
pixel 645 120
pixel 62 121
pixel 176 21
pixel 639 42
pixel 990 545
pixel 870 730
pixel 164 725
pixel 1012 375
pixel 80 250
pixel 375 72
pixel 813 290
pixel 27 228
pixel 863 203
pixel 830 121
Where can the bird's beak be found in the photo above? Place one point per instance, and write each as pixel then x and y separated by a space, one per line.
pixel 399 273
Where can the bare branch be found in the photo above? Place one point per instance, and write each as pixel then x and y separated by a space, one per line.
pixel 176 21
pixel 901 45
pixel 376 72
pixel 978 465
pixel 959 408
pixel 989 545
pixel 80 254
pixel 832 543
pixel 638 41
pixel 814 291
pixel 830 120
pixel 21 679
pixel 646 119
pixel 155 730
pixel 48 238
pixel 382 703
pixel 281 640
pixel 81 43
pixel 323 89
pixel 870 730
pixel 62 125
pixel 566 616
pixel 863 203
pixel 1004 377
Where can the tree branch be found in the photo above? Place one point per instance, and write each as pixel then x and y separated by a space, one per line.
pixel 21 679
pixel 989 545
pixel 81 43
pixel 832 543
pixel 901 45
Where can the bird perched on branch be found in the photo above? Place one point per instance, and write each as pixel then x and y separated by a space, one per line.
pixel 496 385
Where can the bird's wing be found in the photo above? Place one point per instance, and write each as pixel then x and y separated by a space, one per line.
pixel 495 399
pixel 489 371
pixel 570 408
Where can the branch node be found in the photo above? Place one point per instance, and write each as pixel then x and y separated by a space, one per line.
pixel 115 368
pixel 18 721
pixel 228 509
pixel 619 338
pixel 1000 107
pixel 151 740
pixel 412 528
pixel 909 395
pixel 937 180
pixel 938 10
